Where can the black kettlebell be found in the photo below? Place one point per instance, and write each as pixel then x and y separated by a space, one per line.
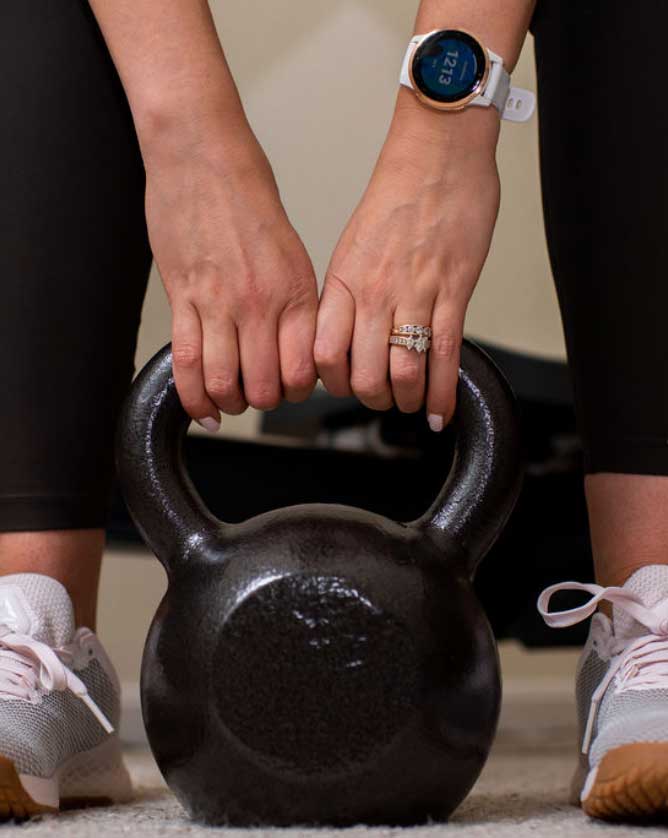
pixel 320 664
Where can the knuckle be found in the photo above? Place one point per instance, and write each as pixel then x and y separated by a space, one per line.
pixel 257 297
pixel 202 286
pixel 372 295
pixel 366 386
pixel 203 277
pixel 299 378
pixel 236 408
pixel 186 355
pixel 326 356
pixel 303 293
pixel 221 386
pixel 407 374
pixel 263 396
pixel 445 345
pixel 409 406
pixel 335 282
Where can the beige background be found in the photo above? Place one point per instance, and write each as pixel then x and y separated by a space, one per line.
pixel 319 82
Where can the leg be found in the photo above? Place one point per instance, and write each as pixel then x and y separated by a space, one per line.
pixel 72 556
pixel 74 261
pixel 605 179
pixel 604 170
pixel 628 522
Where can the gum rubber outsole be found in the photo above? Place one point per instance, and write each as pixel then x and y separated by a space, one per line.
pixel 631 783
pixel 15 802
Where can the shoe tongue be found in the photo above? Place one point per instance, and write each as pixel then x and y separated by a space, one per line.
pixel 36 605
pixel 650 583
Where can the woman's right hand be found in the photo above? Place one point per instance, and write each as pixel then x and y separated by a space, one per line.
pixel 240 283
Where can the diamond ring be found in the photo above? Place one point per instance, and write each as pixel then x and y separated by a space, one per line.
pixel 412 337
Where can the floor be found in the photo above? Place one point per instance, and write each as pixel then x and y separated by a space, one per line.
pixel 521 792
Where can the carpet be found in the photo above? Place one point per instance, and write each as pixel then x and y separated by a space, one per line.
pixel 521 792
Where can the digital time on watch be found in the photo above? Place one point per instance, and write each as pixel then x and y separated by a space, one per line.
pixel 449 69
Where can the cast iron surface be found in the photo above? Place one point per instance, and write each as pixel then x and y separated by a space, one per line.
pixel 320 664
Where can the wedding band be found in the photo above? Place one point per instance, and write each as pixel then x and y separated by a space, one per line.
pixel 412 329
pixel 412 337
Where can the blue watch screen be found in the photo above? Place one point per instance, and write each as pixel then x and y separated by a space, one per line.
pixel 449 65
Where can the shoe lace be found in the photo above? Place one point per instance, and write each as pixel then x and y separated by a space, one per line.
pixel 640 663
pixel 27 664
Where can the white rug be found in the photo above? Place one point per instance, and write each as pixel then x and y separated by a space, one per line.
pixel 522 792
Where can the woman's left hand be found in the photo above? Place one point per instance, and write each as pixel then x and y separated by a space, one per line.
pixel 412 253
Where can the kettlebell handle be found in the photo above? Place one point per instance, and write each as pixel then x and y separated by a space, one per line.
pixel 161 498
pixel 470 510
pixel 486 474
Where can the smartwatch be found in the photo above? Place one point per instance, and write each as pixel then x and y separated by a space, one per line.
pixel 449 69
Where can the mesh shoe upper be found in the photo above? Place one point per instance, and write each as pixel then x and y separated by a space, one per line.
pixel 39 737
pixel 41 727
pixel 622 677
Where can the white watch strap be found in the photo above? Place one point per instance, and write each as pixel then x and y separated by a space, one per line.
pixel 520 104
pixel 405 79
pixel 513 103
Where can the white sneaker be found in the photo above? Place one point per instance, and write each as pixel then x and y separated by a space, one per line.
pixel 621 695
pixel 59 705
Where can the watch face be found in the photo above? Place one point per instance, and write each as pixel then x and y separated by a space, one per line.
pixel 448 65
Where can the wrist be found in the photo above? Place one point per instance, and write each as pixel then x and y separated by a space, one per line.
pixel 418 129
pixel 192 112
pixel 171 137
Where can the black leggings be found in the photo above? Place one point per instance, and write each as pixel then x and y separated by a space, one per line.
pixel 74 253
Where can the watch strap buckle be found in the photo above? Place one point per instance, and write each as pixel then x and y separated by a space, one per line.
pixel 519 105
pixel 513 103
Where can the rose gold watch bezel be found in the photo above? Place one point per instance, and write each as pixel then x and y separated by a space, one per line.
pixel 461 103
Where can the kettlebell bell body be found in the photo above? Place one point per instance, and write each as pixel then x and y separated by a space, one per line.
pixel 320 664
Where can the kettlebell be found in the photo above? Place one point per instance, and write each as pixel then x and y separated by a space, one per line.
pixel 320 664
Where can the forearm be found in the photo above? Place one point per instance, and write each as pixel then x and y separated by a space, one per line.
pixel 502 27
pixel 173 70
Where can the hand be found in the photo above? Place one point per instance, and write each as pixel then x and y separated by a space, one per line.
pixel 239 281
pixel 411 253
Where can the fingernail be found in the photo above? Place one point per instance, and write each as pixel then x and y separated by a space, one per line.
pixel 209 424
pixel 435 421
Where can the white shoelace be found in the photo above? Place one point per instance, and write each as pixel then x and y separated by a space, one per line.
pixel 640 663
pixel 27 664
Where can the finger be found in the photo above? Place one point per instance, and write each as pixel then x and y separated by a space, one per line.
pixel 369 359
pixel 258 354
pixel 443 364
pixel 187 366
pixel 296 334
pixel 407 366
pixel 221 360
pixel 334 331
